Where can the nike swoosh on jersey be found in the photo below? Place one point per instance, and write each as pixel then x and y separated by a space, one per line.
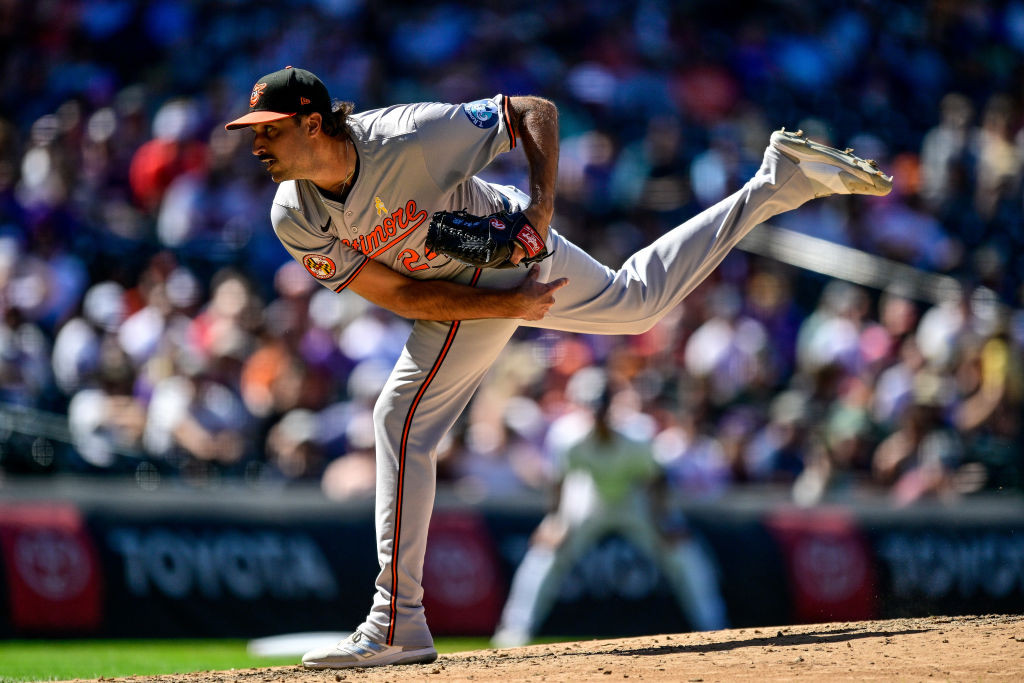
pixel 326 226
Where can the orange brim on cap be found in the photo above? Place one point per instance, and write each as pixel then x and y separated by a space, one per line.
pixel 257 117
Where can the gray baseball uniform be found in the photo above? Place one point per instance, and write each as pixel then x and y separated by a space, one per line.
pixel 418 159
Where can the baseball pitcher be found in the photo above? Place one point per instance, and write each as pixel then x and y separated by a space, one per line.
pixel 386 203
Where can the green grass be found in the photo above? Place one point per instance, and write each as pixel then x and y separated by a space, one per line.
pixel 57 660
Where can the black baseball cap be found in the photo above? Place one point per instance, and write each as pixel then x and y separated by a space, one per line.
pixel 284 93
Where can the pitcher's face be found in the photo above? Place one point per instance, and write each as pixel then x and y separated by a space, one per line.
pixel 282 147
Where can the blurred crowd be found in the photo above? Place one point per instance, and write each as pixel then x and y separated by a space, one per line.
pixel 145 297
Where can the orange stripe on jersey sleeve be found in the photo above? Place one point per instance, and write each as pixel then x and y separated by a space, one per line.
pixel 346 283
pixel 508 125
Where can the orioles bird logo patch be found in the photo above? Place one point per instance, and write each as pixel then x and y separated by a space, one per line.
pixel 319 266
pixel 381 209
pixel 257 91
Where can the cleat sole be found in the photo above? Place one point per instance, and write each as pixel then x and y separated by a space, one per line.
pixel 859 176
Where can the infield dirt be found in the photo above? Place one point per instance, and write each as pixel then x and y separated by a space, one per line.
pixel 972 648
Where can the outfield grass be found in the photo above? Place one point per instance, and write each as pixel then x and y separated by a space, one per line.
pixel 56 660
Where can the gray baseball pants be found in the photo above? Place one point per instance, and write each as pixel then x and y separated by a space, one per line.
pixel 444 362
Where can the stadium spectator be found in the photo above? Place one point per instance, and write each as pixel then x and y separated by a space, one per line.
pixel 133 245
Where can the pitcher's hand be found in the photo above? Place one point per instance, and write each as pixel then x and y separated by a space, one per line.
pixel 536 298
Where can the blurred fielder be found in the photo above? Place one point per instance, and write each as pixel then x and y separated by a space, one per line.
pixel 610 484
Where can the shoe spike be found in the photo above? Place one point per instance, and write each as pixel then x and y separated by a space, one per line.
pixel 848 150
pixel 800 133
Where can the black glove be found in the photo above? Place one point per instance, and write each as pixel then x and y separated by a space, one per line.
pixel 485 241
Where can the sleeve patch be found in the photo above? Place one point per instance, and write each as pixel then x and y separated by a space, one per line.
pixel 482 113
pixel 319 266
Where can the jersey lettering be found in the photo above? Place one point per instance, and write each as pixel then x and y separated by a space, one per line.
pixel 371 241
pixel 392 229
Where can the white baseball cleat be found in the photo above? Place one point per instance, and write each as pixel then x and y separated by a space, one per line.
pixel 830 170
pixel 358 650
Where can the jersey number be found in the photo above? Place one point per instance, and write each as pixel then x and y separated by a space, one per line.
pixel 409 258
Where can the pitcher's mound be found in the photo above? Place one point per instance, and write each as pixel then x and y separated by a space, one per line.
pixel 976 648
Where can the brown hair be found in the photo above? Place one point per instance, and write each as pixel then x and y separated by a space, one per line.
pixel 335 122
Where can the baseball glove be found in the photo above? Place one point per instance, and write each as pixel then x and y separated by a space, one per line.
pixel 484 241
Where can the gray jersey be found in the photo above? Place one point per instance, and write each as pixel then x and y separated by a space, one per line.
pixel 414 160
